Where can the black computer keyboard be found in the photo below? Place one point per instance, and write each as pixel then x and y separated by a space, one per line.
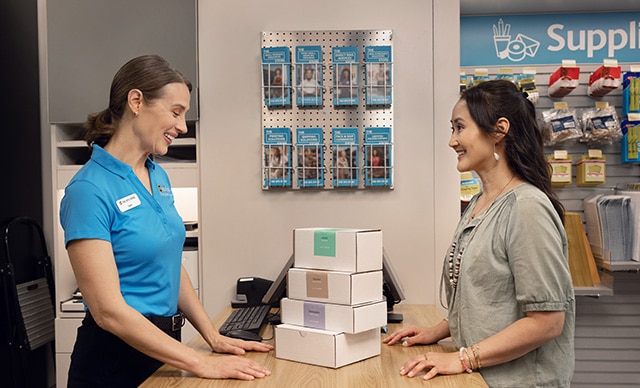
pixel 246 318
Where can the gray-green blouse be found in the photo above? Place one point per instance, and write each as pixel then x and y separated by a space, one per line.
pixel 514 260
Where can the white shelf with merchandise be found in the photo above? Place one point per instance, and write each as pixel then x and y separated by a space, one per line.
pixel 71 152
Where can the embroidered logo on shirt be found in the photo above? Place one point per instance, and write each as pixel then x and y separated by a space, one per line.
pixel 128 202
pixel 165 190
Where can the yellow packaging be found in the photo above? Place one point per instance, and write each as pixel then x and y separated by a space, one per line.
pixel 561 169
pixel 469 186
pixel 591 170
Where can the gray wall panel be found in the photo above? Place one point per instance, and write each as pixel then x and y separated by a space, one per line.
pixel 88 40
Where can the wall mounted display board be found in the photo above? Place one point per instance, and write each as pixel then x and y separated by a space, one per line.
pixel 321 87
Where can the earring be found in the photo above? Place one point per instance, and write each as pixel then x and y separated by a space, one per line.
pixel 496 156
pixel 135 113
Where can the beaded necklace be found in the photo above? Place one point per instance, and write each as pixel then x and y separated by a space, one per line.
pixel 454 265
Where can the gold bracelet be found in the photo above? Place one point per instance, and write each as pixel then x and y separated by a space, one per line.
pixel 466 351
pixel 464 366
pixel 475 348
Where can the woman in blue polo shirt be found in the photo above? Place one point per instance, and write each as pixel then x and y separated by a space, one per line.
pixel 125 238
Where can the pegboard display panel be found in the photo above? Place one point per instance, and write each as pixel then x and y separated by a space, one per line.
pixel 329 115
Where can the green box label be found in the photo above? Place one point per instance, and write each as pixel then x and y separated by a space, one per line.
pixel 324 242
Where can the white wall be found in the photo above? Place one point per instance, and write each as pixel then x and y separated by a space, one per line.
pixel 245 231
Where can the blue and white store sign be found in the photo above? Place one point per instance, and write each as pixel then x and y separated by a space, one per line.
pixel 549 38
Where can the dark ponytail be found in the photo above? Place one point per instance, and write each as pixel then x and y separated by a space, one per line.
pixel 99 128
pixel 148 73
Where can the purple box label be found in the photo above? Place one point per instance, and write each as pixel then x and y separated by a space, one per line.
pixel 314 315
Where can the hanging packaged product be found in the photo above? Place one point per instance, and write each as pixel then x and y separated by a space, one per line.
pixel 479 75
pixel 591 169
pixel 604 79
pixel 527 83
pixel 630 141
pixel 564 80
pixel 561 169
pixel 506 73
pixel 631 93
pixel 601 124
pixel 561 124
pixel 464 82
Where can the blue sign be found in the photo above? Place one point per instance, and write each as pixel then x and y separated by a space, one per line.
pixel 549 38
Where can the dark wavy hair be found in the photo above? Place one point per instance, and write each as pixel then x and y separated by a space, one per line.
pixel 148 73
pixel 524 142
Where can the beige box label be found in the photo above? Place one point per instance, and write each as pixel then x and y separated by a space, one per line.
pixel 317 285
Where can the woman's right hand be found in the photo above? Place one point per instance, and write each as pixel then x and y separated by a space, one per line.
pixel 412 335
pixel 232 367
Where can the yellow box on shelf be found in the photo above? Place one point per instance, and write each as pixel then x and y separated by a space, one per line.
pixel 561 168
pixel 591 170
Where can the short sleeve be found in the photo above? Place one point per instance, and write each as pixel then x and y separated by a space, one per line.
pixel 84 213
pixel 537 256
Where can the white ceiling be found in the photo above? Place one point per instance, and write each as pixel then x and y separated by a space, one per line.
pixel 493 7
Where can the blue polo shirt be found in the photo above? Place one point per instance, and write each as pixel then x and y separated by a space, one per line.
pixel 105 200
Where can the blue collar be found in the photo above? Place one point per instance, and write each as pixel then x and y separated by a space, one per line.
pixel 100 156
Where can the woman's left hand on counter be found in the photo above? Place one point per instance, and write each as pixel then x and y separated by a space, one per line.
pixel 238 346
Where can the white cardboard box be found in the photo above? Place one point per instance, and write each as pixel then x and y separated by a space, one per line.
pixel 336 317
pixel 334 287
pixel 347 250
pixel 325 348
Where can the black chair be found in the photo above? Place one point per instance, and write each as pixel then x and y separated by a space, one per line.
pixel 28 291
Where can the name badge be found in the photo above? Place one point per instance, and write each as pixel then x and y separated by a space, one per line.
pixel 128 202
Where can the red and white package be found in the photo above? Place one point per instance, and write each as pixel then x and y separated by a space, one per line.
pixel 564 80
pixel 604 80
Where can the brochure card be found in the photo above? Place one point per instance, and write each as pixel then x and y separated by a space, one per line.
pixel 344 145
pixel 310 156
pixel 378 158
pixel 345 75
pixel 277 157
pixel 276 76
pixel 309 75
pixel 378 73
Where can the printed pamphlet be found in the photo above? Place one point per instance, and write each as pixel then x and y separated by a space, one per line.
pixel 378 75
pixel 345 75
pixel 277 157
pixel 377 156
pixel 309 75
pixel 276 76
pixel 344 145
pixel 310 157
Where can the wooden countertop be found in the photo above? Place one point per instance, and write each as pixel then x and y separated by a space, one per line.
pixel 379 371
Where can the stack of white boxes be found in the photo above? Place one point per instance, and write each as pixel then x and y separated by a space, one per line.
pixel 335 308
